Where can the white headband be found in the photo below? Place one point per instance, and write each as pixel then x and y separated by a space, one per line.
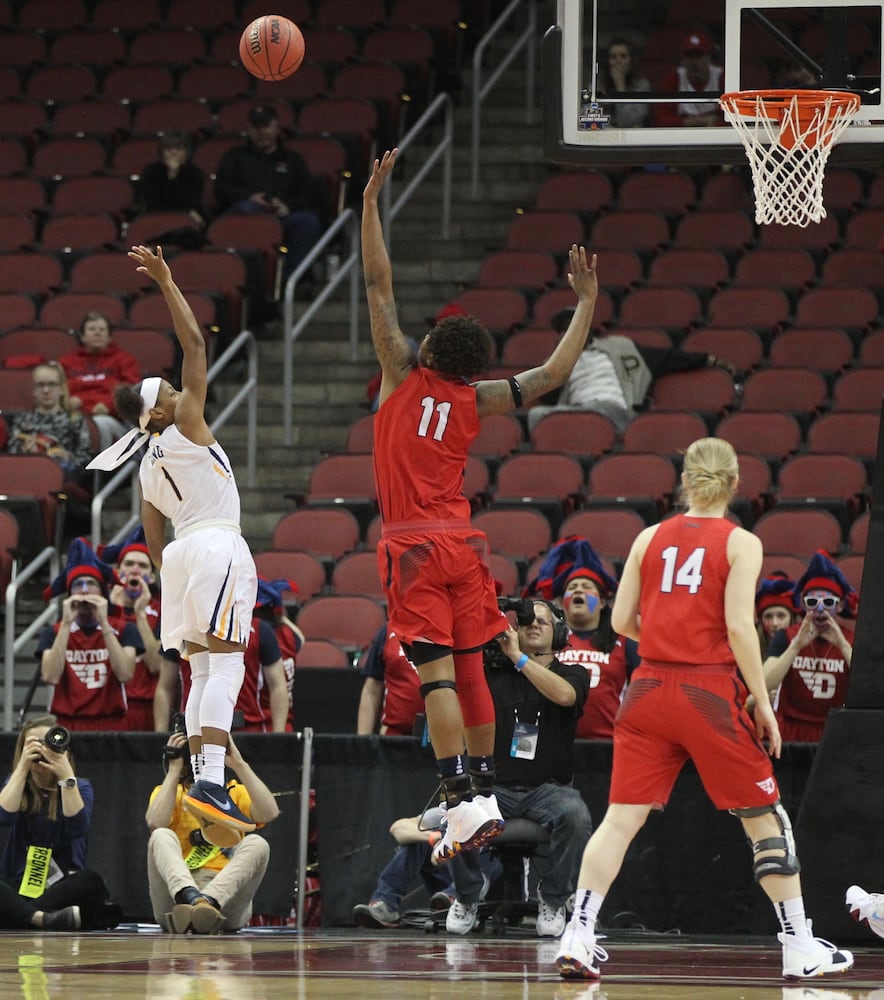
pixel 131 441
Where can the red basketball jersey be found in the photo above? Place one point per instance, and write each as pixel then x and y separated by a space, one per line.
pixel 683 577
pixel 144 684
pixel 88 691
pixel 814 684
pixel 421 436
pixel 607 681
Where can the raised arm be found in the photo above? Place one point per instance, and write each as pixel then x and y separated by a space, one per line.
pixel 496 396
pixel 391 347
pixel 189 412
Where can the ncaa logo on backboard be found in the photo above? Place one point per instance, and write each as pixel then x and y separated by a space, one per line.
pixel 768 786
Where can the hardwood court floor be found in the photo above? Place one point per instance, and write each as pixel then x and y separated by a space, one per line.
pixel 400 965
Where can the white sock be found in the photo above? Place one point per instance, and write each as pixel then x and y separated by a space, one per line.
pixel 196 765
pixel 792 918
pixel 586 907
pixel 213 763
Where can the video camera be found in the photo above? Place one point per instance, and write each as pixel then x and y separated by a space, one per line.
pixel 523 607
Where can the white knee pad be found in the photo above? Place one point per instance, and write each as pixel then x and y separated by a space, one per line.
pixel 199 674
pixel 226 672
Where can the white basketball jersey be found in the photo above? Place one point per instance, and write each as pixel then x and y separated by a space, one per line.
pixel 188 482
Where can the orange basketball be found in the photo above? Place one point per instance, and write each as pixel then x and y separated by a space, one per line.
pixel 271 47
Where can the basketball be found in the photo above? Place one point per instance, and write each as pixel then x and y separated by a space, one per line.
pixel 271 47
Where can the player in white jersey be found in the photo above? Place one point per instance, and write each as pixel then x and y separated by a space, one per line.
pixel 209 583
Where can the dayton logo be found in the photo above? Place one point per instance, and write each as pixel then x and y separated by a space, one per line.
pixel 768 786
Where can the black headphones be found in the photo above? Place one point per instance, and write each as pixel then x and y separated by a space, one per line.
pixel 561 632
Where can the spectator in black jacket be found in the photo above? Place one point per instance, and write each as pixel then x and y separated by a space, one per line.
pixel 263 176
pixel 173 182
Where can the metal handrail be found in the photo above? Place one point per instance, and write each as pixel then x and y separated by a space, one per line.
pixel 480 90
pixel 11 645
pixel 244 339
pixel 347 224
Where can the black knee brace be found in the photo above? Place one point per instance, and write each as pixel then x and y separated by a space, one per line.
pixel 425 689
pixel 773 864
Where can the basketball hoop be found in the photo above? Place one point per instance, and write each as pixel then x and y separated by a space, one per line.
pixel 788 135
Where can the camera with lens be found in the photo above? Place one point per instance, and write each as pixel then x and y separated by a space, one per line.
pixel 57 738
pixel 523 607
pixel 178 726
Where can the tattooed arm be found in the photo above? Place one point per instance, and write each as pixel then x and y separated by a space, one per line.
pixel 391 347
pixel 497 397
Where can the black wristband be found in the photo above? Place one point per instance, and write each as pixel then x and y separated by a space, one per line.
pixel 516 390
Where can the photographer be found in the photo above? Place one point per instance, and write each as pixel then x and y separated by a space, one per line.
pixel 537 702
pixel 44 882
pixel 202 878
pixel 88 656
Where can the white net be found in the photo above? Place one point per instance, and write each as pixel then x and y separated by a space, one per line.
pixel 788 137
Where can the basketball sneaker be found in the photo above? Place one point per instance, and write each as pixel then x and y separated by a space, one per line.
pixel 809 956
pixel 580 953
pixel 461 917
pixel 377 913
pixel 867 908
pixel 550 919
pixel 469 827
pixel 211 802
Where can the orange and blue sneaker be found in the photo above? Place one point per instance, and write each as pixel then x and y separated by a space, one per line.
pixel 212 803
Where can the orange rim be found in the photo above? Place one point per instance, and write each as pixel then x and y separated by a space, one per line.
pixel 745 102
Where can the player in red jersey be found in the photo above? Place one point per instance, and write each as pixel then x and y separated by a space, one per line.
pixel 390 700
pixel 687 596
pixel 441 596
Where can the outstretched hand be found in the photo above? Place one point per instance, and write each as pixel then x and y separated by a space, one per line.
pixel 379 172
pixel 152 264
pixel 582 275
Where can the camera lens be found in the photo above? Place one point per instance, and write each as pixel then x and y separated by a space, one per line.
pixel 57 738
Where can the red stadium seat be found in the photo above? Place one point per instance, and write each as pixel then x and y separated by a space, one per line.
pixel 550 482
pixel 35 273
pixel 742 347
pixel 664 432
pixel 819 348
pixel 154 350
pixel 552 232
pixel 520 534
pixel 77 233
pixel 854 266
pixel 525 269
pixel 328 532
pixel 360 436
pixel 644 483
pixel 528 348
pixel 798 532
pixel 703 269
pixel 787 269
pixel 820 236
pixel 500 434
pixel 716 230
pixel 114 195
pixel 324 653
pixel 757 308
pixel 671 193
pixel 611 532
pixel 773 435
pixel 859 389
pixel 871 350
pixel 65 310
pixel 357 573
pixel 641 231
pixel 16 233
pixel 789 390
pixel 585 435
pixel 583 191
pixel 671 308
pixel 856 308
pixel 859 533
pixel 838 483
pixel 350 621
pixel 709 391
pixel 304 569
pixel 496 308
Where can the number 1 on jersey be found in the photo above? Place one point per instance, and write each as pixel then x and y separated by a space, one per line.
pixel 430 406
pixel 686 574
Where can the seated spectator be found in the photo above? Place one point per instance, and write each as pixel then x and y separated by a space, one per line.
pixel 270 608
pixel 135 598
pixel 47 811
pixel 619 76
pixel 390 701
pixel 203 878
pixel 262 175
pixel 87 657
pixel 613 375
pixel 173 182
pixel 263 703
pixel 775 607
pixel 695 74
pixel 416 836
pixel 573 575
pixel 53 427
pixel 809 662
pixel 94 370
pixel 537 703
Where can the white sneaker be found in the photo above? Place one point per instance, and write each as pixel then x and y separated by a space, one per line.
pixel 579 953
pixel 806 957
pixel 867 908
pixel 461 917
pixel 488 803
pixel 550 919
pixel 469 827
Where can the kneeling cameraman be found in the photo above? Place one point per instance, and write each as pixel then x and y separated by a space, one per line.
pixel 203 878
